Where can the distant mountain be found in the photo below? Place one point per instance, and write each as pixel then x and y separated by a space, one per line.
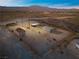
pixel 40 8
pixel 3 8
pixel 33 9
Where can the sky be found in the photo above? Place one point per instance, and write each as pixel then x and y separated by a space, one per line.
pixel 47 3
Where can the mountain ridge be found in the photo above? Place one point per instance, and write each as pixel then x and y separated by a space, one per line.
pixel 32 8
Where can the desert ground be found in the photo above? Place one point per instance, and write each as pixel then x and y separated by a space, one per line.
pixel 41 34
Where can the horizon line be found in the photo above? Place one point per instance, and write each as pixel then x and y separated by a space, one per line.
pixel 57 7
